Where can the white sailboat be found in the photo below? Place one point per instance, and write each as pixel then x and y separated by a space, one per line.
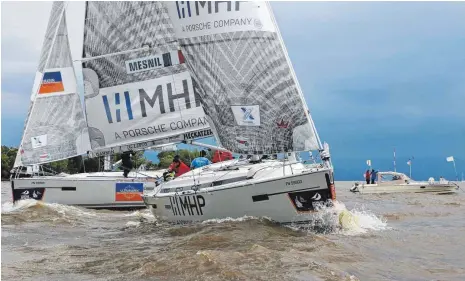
pixel 138 95
pixel 255 106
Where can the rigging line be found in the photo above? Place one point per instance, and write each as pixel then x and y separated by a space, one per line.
pixel 182 119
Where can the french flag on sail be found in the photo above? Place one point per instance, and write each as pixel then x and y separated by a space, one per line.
pixel 51 83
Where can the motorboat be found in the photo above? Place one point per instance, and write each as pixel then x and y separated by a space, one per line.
pixel 395 182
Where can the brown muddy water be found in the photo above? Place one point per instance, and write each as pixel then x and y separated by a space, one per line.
pixel 398 237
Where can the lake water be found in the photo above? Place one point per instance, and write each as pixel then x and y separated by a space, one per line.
pixel 398 237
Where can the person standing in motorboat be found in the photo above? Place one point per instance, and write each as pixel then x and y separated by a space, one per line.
pixel 367 176
pixel 126 162
pixel 373 176
pixel 442 180
pixel 200 161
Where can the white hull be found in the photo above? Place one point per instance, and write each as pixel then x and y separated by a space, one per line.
pixel 91 190
pixel 416 187
pixel 266 193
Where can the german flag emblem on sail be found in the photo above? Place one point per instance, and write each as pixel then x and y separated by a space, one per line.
pixel 51 83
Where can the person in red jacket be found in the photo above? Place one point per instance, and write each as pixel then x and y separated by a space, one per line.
pixel 220 156
pixel 178 166
pixel 367 176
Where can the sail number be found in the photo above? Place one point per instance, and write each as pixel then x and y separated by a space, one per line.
pixel 187 205
pixel 288 183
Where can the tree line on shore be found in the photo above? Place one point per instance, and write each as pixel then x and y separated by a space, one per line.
pixel 81 164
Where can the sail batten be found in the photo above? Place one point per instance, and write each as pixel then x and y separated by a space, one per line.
pixel 55 128
pixel 248 89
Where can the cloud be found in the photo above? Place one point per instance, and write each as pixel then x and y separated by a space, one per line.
pixel 401 62
pixel 23 30
pixel 373 73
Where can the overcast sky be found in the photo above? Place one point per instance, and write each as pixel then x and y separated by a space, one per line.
pixel 375 74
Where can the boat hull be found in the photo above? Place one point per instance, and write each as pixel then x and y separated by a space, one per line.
pixel 403 188
pixel 284 200
pixel 89 192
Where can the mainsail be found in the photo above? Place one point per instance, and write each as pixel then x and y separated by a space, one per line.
pixel 250 94
pixel 55 128
pixel 138 92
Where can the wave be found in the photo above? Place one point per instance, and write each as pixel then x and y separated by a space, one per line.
pixel 30 210
pixel 339 220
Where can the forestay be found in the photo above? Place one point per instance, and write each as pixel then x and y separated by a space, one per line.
pixel 248 89
pixel 55 128
pixel 138 92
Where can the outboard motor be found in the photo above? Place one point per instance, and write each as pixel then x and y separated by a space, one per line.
pixel 355 187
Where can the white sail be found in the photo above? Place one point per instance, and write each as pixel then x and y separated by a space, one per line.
pixel 138 92
pixel 55 128
pixel 248 88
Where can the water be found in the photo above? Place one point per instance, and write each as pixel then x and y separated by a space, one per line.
pixel 397 237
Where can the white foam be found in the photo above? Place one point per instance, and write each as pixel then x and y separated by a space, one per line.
pixel 229 219
pixel 9 207
pixel 133 224
pixel 364 220
pixel 357 221
pixel 23 205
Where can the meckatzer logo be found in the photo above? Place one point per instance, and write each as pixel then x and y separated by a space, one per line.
pixel 198 134
pixel 145 99
pixel 195 8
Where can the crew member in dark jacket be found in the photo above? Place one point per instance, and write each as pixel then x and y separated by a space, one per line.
pixel 126 162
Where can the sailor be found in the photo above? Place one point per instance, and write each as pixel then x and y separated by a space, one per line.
pixel 367 176
pixel 178 167
pixel 373 176
pixel 126 162
pixel 442 180
pixel 200 161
